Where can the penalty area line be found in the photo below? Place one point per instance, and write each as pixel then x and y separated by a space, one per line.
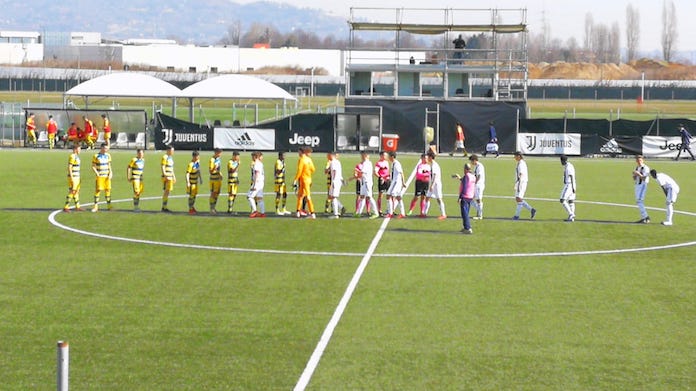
pixel 338 313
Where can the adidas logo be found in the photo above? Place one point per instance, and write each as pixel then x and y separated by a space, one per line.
pixel 611 146
pixel 244 140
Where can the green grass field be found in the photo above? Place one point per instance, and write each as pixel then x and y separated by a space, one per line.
pixel 431 311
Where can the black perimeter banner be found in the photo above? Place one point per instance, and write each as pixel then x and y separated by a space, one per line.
pixel 181 134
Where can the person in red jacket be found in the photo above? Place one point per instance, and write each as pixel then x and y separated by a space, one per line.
pixel 52 130
pixel 90 133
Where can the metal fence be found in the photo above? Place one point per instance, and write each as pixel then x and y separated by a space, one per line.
pixel 12 124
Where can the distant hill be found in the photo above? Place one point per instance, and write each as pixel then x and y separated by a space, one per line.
pixel 198 22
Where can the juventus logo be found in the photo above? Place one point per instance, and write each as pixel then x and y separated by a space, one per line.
pixel 168 136
pixel 531 142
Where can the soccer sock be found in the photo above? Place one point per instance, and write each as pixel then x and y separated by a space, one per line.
pixel 670 212
pixel 479 208
pixel 442 207
pixel 336 206
pixel 191 201
pixel 526 205
pixel 379 204
pixel 373 204
pixel 572 207
pixel 252 204
pixel 136 201
pixel 424 208
pixel 357 204
pixel 284 200
pixel 427 207
pixel 277 201
pixel 262 205
pixel 230 202
pixel 390 206
pixel 76 198
pixel 67 200
pixel 327 205
pixel 165 201
pixel 413 204
pixel 401 206
pixel 107 196
pixel 213 201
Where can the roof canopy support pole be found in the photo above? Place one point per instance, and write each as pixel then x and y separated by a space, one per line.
pixel 174 107
pixel 86 102
pixel 190 109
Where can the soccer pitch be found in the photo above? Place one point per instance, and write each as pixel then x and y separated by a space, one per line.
pixel 227 302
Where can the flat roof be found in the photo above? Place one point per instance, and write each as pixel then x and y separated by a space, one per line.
pixel 416 28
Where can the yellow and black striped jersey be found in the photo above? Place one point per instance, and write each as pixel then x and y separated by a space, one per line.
pixel 137 166
pixel 102 162
pixel 74 165
pixel 167 166
pixel 214 169
pixel 194 172
pixel 280 172
pixel 233 172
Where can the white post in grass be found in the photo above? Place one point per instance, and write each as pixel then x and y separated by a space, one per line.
pixel 63 365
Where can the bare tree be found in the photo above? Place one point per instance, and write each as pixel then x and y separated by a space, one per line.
pixel 669 29
pixel 589 26
pixel 233 34
pixel 614 45
pixel 600 43
pixel 632 32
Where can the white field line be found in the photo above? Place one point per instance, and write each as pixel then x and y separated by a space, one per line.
pixel 338 313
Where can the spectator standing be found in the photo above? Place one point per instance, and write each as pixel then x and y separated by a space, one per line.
pixel 685 142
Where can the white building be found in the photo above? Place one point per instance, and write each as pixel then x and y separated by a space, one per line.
pixel 18 47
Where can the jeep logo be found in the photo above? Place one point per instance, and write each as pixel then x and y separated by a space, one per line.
pixel 312 141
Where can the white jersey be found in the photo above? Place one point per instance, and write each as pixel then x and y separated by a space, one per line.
pixel 480 174
pixel 521 174
pixel 336 171
pixel 435 190
pixel 366 173
pixel 259 177
pixel 396 189
pixel 397 172
pixel 667 183
pixel 645 171
pixel 569 175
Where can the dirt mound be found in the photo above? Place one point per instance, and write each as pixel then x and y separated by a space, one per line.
pixel 654 70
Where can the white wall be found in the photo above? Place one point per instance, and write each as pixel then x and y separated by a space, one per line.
pixel 17 53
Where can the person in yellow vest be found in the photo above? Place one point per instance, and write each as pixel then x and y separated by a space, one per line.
pixel 31 130
pixel 106 128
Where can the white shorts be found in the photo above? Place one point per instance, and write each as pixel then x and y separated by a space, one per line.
pixel 491 147
pixel 520 189
pixel 567 193
pixel 335 190
pixel 671 196
pixel 396 189
pixel 366 189
pixel 258 193
pixel 478 193
pixel 459 144
pixel 435 191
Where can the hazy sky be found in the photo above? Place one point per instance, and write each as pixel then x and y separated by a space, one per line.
pixel 565 18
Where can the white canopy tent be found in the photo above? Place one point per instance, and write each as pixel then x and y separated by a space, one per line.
pixel 125 84
pixel 234 87
pixel 132 84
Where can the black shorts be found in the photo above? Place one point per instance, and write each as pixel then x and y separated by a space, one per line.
pixel 421 188
pixel 382 187
pixel 357 187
